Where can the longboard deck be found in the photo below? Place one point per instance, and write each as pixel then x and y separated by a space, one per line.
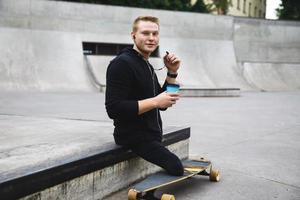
pixel 146 188
pixel 161 179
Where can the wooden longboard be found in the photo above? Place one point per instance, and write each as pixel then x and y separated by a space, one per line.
pixel 146 188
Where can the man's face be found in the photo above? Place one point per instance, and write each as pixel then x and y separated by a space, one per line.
pixel 146 37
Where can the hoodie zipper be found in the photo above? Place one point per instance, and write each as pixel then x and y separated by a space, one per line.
pixel 152 76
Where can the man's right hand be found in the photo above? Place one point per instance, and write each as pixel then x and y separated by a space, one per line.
pixel 165 100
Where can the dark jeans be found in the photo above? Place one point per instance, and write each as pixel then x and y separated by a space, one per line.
pixel 157 154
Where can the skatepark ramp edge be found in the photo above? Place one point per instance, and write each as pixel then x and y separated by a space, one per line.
pixel 91 177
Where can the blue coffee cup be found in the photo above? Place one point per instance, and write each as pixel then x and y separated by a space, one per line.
pixel 173 88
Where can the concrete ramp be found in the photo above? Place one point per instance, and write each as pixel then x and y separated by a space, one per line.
pixel 205 64
pixel 272 77
pixel 35 60
pixel 42 51
pixel 215 61
pixel 97 66
pixel 267 52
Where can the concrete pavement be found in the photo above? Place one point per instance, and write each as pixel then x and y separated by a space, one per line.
pixel 39 131
pixel 253 140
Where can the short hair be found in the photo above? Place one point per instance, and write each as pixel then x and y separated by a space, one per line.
pixel 144 18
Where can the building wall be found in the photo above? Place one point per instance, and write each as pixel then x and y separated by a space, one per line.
pixel 245 8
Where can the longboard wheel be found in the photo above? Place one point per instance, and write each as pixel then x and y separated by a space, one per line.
pixel 167 197
pixel 132 194
pixel 214 175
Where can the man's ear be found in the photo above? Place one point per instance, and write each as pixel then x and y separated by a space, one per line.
pixel 133 35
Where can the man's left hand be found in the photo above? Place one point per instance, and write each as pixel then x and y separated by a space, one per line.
pixel 172 62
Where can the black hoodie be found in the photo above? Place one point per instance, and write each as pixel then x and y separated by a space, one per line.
pixel 130 78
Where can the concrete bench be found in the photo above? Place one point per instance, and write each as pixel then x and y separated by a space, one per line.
pixel 91 177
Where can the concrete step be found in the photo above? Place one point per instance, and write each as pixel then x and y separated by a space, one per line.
pixel 91 177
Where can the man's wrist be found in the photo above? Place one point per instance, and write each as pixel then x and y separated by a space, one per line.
pixel 172 74
pixel 154 102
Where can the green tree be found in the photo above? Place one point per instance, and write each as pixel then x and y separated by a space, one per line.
pixel 200 7
pixel 289 9
pixel 180 5
pixel 221 6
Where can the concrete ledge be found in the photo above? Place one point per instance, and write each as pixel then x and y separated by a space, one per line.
pixel 210 92
pixel 91 177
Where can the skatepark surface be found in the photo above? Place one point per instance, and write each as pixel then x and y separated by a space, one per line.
pixel 253 139
pixel 51 110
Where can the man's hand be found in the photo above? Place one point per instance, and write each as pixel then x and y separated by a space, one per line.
pixel 165 100
pixel 172 62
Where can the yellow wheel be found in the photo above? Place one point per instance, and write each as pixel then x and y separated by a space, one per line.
pixel 132 194
pixel 167 197
pixel 214 175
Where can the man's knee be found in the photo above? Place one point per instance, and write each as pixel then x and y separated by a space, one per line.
pixel 175 168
